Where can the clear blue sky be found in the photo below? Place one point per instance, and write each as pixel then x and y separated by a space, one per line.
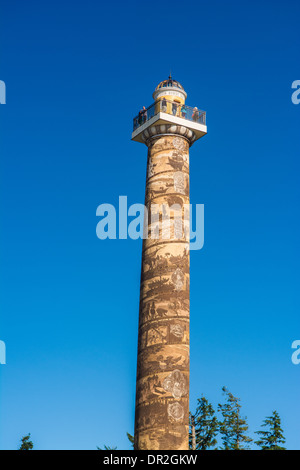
pixel 76 74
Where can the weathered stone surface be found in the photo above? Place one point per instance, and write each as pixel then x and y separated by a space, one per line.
pixel 162 394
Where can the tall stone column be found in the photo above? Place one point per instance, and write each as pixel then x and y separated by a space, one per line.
pixel 162 393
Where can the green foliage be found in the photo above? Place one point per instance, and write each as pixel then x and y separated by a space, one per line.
pixel 203 426
pixel 271 438
pixel 131 439
pixel 107 448
pixel 26 443
pixel 232 426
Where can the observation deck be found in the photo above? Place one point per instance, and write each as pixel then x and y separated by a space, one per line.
pixel 164 111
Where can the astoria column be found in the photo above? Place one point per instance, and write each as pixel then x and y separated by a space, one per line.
pixel 168 128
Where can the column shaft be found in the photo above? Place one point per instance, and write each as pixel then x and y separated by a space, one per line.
pixel 162 393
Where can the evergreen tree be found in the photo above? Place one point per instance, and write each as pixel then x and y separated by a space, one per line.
pixel 271 438
pixel 233 427
pixel 107 448
pixel 203 426
pixel 26 443
pixel 131 439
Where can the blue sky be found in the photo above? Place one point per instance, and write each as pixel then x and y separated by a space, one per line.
pixel 76 74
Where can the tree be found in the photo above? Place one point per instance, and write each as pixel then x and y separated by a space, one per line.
pixel 203 426
pixel 131 439
pixel 26 443
pixel 271 438
pixel 233 427
pixel 107 448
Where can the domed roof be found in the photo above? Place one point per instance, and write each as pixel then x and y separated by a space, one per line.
pixel 169 82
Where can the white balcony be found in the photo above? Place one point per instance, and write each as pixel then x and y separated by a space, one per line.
pixel 168 112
